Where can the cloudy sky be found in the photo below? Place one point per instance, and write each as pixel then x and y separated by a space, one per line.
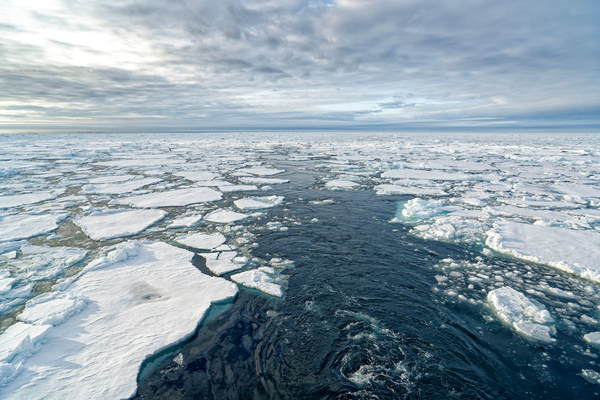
pixel 299 64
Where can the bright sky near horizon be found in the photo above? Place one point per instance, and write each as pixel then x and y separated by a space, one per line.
pixel 297 64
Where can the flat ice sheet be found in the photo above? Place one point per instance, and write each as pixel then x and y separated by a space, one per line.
pixel 258 280
pixel 197 175
pixel 110 225
pixel 416 191
pixel 29 198
pixel 237 188
pixel 263 181
pixel 340 184
pixel 23 226
pixel 171 198
pixel 202 241
pixel 569 250
pixel 137 308
pixel 119 188
pixel 258 203
pixel 225 216
pixel 435 175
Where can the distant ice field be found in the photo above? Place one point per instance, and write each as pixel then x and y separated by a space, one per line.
pixel 77 210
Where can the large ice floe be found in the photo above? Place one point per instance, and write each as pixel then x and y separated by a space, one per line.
pixel 258 203
pixel 170 198
pixel 106 323
pixel 23 226
pixel 110 224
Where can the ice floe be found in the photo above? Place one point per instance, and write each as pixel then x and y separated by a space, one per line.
pixel 140 307
pixel 220 263
pixel 573 251
pixel 202 241
pixel 23 226
pixel 258 203
pixel 258 280
pixel 519 312
pixel 118 188
pixel 29 198
pixel 52 308
pixel 340 184
pixel 186 221
pixel 225 216
pixel 110 224
pixel 170 198
pixel 261 171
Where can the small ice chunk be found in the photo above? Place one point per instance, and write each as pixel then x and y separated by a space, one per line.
pixel 52 308
pixel 120 223
pixel 11 255
pixel 224 263
pixel 263 181
pixel 591 376
pixel 516 310
pixel 14 336
pixel 395 189
pixel 258 203
pixel 202 241
pixel 258 280
pixel 592 338
pixel 185 222
pixel 197 175
pixel 225 216
pixel 171 198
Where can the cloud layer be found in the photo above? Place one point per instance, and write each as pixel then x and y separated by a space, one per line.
pixel 188 64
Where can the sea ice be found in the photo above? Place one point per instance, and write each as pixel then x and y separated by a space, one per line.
pixel 258 203
pixel 29 198
pixel 119 188
pixel 258 280
pixel 262 171
pixel 171 198
pixel 52 308
pixel 197 175
pixel 224 262
pixel 202 241
pixel 111 224
pixel 185 221
pixel 434 175
pixel 23 226
pixel 225 216
pixel 111 179
pixel 137 309
pixel 573 251
pixel 12 339
pixel 263 181
pixel 592 338
pixel 409 190
pixel 516 310
pixel 41 263
pixel 340 184
pixel 237 188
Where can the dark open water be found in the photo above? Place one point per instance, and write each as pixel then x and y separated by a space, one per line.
pixel 359 321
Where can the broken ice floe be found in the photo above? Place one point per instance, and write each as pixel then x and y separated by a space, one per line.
pixel 170 198
pixel 225 216
pixel 52 308
pixel 29 198
pixel 23 226
pixel 258 280
pixel 261 171
pixel 220 263
pixel 202 241
pixel 258 203
pixel 110 224
pixel 118 188
pixel 140 307
pixel 186 221
pixel 519 312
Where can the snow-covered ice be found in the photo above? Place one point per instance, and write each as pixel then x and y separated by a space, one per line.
pixel 258 280
pixel 570 250
pixel 23 226
pixel 225 216
pixel 171 198
pixel 224 262
pixel 136 309
pixel 258 203
pixel 118 188
pixel 261 171
pixel 519 312
pixel 185 221
pixel 340 184
pixel 263 181
pixel 110 224
pixel 202 241
pixel 52 308
pixel 236 188
pixel 29 198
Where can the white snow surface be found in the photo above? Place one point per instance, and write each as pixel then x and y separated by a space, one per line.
pixel 23 226
pixel 197 175
pixel 225 216
pixel 517 311
pixel 137 308
pixel 340 184
pixel 170 198
pixel 396 189
pixel 202 241
pixel 29 198
pixel 52 308
pixel 236 188
pixel 570 250
pixel 258 280
pixel 111 224
pixel 118 188
pixel 224 262
pixel 185 221
pixel 263 181
pixel 258 203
